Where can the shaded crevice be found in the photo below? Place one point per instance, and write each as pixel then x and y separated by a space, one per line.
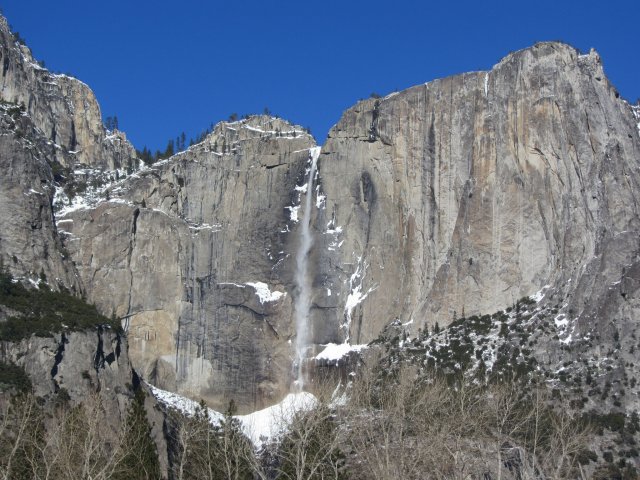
pixel 135 380
pixel 73 142
pixel 132 242
pixel 275 332
pixel 367 194
pixel 118 349
pixel 57 360
pixel 98 359
pixel 373 128
pixel 270 167
pixel 5 65
pixel 134 226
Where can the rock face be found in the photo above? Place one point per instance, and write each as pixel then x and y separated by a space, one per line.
pixel 29 242
pixel 50 125
pixel 452 198
pixel 80 363
pixel 63 108
pixel 464 194
pixel 84 364
pixel 194 254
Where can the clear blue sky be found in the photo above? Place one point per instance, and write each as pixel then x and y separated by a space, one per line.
pixel 166 67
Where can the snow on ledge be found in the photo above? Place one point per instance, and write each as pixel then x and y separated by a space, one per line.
pixel 262 290
pixel 539 295
pixel 293 212
pixel 183 404
pixel 334 351
pixel 264 293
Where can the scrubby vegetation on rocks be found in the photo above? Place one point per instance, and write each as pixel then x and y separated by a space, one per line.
pixel 42 311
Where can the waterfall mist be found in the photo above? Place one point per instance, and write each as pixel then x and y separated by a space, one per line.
pixel 303 282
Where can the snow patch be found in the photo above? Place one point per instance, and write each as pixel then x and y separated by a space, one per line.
pixel 272 422
pixel 239 285
pixel 331 230
pixel 356 295
pixel 264 293
pixel 334 351
pixel 201 226
pixel 262 290
pixel 539 295
pixel 287 134
pixel 561 321
pixel 293 212
pixel 320 199
pixel 183 404
pixel 267 424
pixel 100 185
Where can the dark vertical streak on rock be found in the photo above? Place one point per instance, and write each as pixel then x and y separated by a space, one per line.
pixel 57 360
pixel 132 243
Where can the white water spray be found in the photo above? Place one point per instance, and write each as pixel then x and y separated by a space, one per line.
pixel 303 282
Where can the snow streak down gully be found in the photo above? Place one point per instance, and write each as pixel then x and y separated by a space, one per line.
pixel 302 280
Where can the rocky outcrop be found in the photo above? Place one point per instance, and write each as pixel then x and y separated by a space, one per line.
pixel 452 198
pixel 75 366
pixel 81 363
pixel 50 125
pixel 63 108
pixel 30 246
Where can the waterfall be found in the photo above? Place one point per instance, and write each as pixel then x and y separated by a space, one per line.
pixel 303 282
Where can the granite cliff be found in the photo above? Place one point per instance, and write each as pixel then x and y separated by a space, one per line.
pixel 194 254
pixel 450 199
pixel 465 194
pixel 63 108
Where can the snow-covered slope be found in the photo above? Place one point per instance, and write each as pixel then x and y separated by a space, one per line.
pixel 261 426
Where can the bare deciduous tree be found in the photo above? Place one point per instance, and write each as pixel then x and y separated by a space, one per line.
pixel 68 442
pixel 401 424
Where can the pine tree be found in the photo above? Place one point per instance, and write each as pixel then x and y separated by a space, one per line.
pixel 111 123
pixel 170 150
pixel 146 156
pixel 141 457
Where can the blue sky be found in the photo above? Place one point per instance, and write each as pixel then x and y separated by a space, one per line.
pixel 167 67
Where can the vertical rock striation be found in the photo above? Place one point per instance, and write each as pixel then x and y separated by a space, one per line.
pixel 195 254
pixel 63 108
pixel 452 198
pixel 49 124
pixel 464 194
